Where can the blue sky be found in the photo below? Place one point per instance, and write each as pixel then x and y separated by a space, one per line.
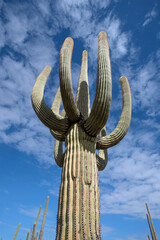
pixel 32 33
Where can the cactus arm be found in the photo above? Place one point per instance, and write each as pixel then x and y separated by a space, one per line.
pixel 102 159
pixel 58 146
pixel 101 105
pixel 17 230
pixel 66 82
pixel 55 108
pixel 58 136
pixel 122 127
pixel 44 113
pixel 58 153
pixel 102 156
pixel 44 218
pixel 82 97
pixel 56 102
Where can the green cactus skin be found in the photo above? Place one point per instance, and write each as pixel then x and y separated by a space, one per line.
pixel 83 131
pixel 44 218
pixel 17 230
pixel 27 238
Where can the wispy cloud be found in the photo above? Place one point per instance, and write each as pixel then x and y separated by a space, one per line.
pixel 106 230
pixel 149 17
pixel 131 178
pixel 32 212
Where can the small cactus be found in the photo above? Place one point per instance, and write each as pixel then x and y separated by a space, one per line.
pixel 44 218
pixel 151 226
pixel 27 238
pixel 83 131
pixel 36 236
pixel 17 230
pixel 35 225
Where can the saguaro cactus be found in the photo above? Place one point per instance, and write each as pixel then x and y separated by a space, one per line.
pixel 83 132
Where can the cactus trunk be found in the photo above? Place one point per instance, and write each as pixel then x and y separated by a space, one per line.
pixel 78 212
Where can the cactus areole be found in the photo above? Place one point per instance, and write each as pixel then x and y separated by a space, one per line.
pixel 83 131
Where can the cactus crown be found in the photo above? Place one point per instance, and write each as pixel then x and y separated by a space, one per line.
pixel 92 122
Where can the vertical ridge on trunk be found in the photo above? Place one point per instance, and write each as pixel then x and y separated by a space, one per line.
pixel 78 213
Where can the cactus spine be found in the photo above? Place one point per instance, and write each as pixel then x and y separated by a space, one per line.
pixel 83 131
pixel 44 218
pixel 17 230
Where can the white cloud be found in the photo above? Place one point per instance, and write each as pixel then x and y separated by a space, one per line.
pixel 54 192
pixel 106 230
pixel 2 38
pixel 16 28
pixel 149 17
pixel 32 212
pixel 18 123
pixel 131 177
pixel 40 52
pixel 146 84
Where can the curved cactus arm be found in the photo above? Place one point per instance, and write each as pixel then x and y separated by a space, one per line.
pixel 58 153
pixel 55 108
pixel 82 97
pixel 123 125
pixel 102 159
pixel 44 113
pixel 58 136
pixel 101 105
pixel 58 146
pixel 66 81
pixel 56 102
pixel 102 156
